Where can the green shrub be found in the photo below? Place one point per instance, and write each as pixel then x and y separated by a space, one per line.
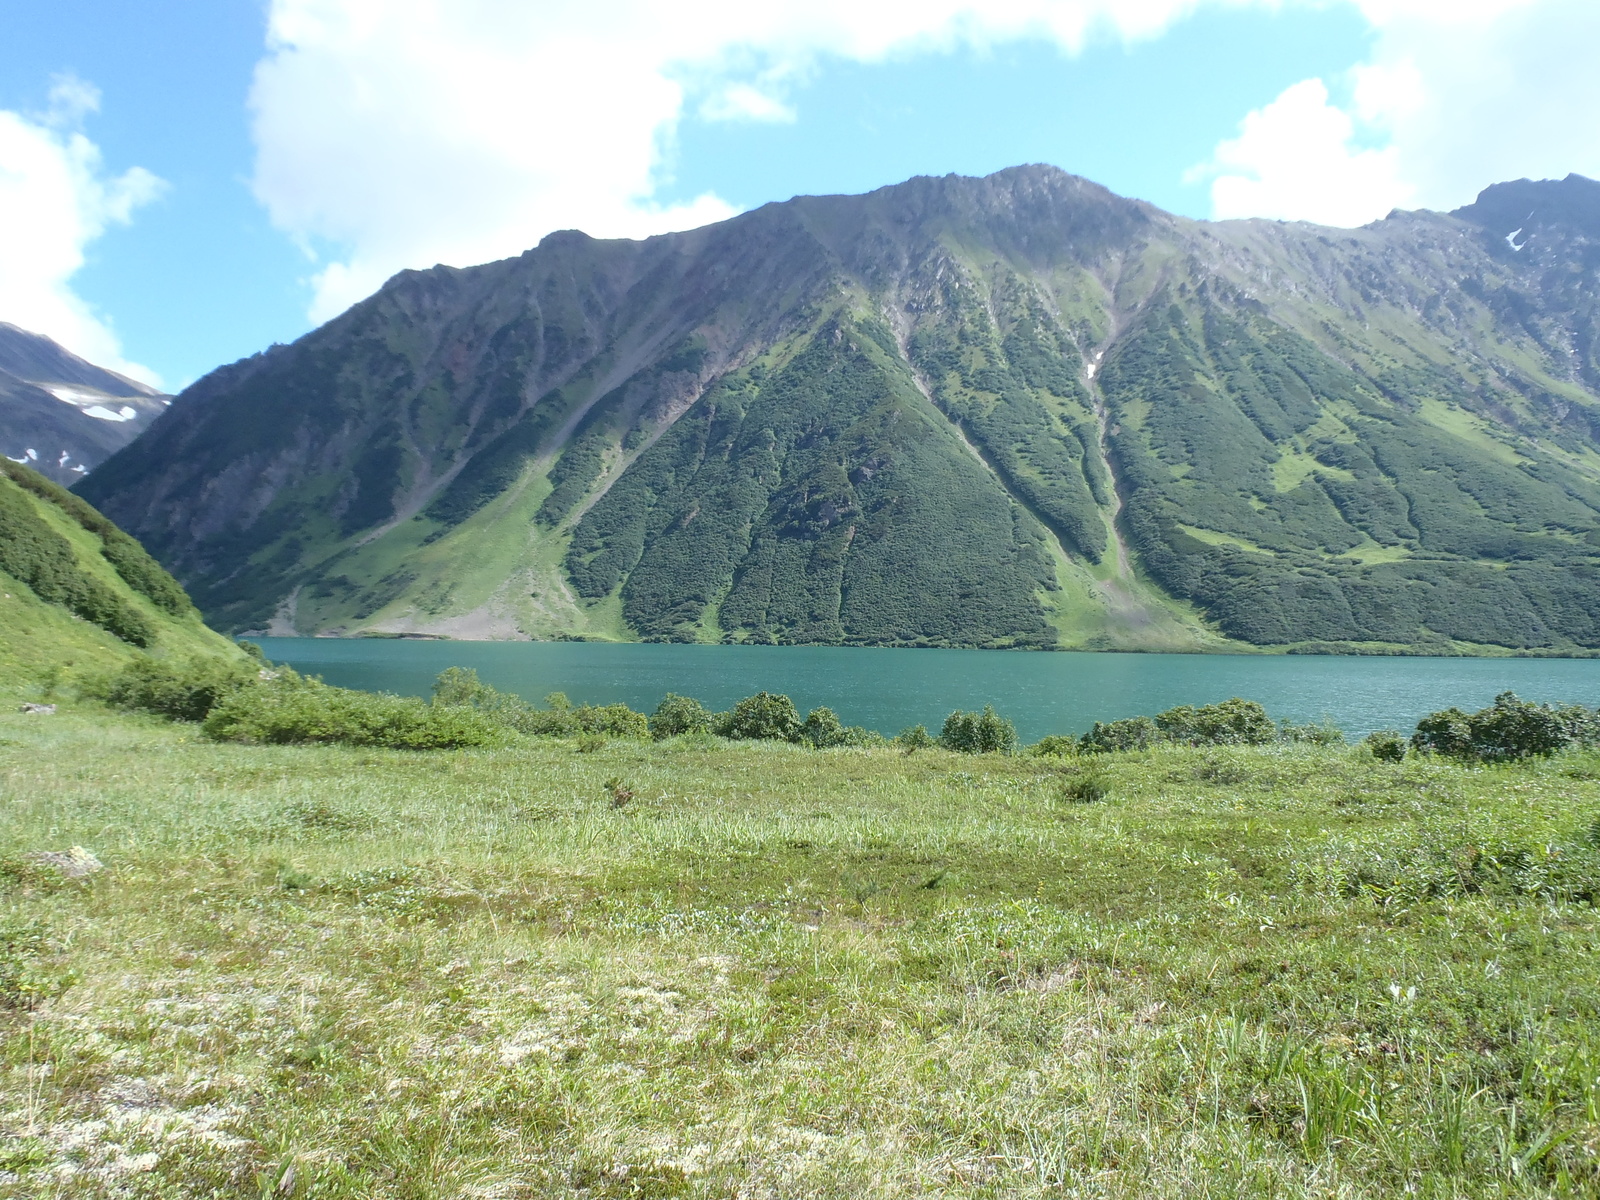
pixel 1129 733
pixel 1086 789
pixel 291 708
pixel 1233 722
pixel 558 718
pixel 1386 745
pixel 615 720
pixel 1508 730
pixel 678 715
pixel 1322 733
pixel 823 730
pixel 764 716
pixel 179 691
pixel 562 719
pixel 978 733
pixel 1055 746
pixel 914 738
pixel 1512 728
pixel 1448 732
pixel 460 687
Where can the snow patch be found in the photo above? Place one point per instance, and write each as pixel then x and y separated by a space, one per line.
pixel 74 395
pixel 126 413
pixel 1511 239
pixel 92 402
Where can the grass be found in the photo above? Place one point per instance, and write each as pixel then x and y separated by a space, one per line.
pixel 39 639
pixel 780 972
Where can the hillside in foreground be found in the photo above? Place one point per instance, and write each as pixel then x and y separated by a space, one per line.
pixel 1009 411
pixel 77 595
pixel 326 972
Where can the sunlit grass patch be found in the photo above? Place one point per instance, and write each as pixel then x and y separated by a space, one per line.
pixel 780 971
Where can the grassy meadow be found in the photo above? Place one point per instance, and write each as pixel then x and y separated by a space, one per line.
pixel 708 969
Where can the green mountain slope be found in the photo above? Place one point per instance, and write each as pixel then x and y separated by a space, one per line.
pixel 1010 411
pixel 78 594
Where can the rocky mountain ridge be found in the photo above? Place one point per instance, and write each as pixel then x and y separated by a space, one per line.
pixel 1009 411
pixel 62 415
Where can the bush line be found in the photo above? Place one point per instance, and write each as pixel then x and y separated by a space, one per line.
pixel 255 703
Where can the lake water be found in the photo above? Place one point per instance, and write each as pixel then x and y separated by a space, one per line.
pixel 887 690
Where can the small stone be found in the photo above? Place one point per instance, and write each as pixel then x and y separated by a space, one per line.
pixel 43 710
pixel 74 863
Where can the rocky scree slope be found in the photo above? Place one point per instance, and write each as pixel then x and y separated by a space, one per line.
pixel 64 416
pixel 1009 411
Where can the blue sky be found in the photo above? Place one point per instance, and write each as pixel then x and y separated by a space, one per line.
pixel 184 183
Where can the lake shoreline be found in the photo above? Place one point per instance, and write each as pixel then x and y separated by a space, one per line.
pixel 1243 649
pixel 886 690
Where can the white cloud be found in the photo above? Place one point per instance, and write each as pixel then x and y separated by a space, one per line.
pixel 55 199
pixel 1505 90
pixel 1457 94
pixel 744 102
pixel 399 133
pixel 1297 159
pixel 406 132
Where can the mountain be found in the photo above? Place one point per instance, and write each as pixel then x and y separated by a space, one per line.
pixel 79 594
pixel 1009 411
pixel 61 415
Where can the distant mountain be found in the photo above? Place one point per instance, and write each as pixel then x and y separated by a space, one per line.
pixel 1009 411
pixel 61 415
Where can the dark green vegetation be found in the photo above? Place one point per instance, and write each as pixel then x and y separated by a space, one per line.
pixel 823 502
pixel 978 733
pixel 241 701
pixel 461 688
pixel 702 968
pixel 37 556
pixel 288 708
pixel 1011 411
pixel 78 593
pixel 1479 545
pixel 178 690
pixel 137 569
pixel 1507 730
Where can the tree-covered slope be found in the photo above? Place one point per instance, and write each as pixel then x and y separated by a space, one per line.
pixel 77 593
pixel 1016 410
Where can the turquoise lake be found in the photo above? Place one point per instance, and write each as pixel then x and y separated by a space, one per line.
pixel 887 690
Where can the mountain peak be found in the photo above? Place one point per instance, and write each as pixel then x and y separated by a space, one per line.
pixel 60 414
pixel 1571 205
pixel 40 359
pixel 1008 410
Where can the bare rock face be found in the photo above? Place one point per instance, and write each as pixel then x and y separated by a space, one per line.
pixel 63 416
pixel 1009 411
